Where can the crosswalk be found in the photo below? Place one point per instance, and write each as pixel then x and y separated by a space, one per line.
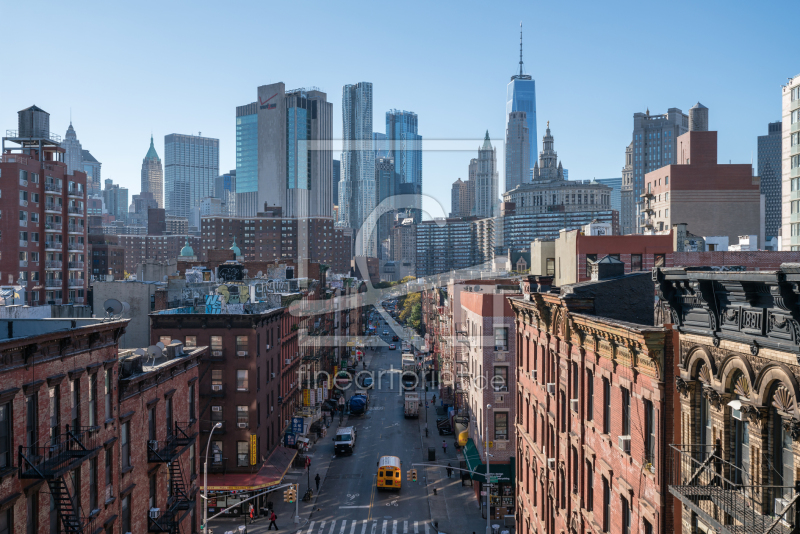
pixel 367 526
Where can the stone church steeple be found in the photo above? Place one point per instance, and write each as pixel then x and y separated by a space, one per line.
pixel 548 167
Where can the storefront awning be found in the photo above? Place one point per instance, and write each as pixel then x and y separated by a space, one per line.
pixel 504 472
pixel 270 474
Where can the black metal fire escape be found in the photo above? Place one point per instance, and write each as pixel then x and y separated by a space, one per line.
pixel 181 499
pixel 53 462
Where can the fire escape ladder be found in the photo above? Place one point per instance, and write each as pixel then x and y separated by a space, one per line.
pixel 65 506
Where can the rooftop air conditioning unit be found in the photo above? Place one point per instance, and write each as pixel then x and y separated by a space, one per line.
pixel 152 444
pixel 242 425
pixel 216 408
pixel 551 464
pixel 267 346
pixel 241 353
pixel 780 506
pixel 535 375
pixel 155 512
pixel 625 444
pixel 288 361
pixel 551 388
pixel 574 405
pixel 272 375
pixel 216 387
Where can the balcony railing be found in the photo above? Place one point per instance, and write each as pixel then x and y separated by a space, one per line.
pixel 57 245
pixel 52 187
pixel 216 355
pixel 723 495
pixel 53 283
pixel 59 456
pixel 163 520
pixel 52 264
pixel 53 207
pixel 52 227
pixel 206 426
pixel 75 210
pixel 215 391
pixel 78 300
pixel 76 228
pixel 167 450
pixel 75 246
pixel 75 192
pixel 76 265
pixel 76 282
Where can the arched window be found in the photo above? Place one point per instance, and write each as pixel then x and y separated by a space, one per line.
pixel 740 433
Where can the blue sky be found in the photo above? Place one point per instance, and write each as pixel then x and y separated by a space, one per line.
pixel 127 69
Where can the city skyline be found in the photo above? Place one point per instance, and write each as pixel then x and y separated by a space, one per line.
pixel 553 63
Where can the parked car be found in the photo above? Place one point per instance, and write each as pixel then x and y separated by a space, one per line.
pixel 392 346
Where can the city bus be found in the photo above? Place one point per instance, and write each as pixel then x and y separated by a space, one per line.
pixel 390 474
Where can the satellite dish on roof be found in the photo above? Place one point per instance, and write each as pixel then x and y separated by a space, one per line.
pixel 160 345
pixel 174 341
pixel 153 352
pixel 140 352
pixel 115 309
pixel 166 277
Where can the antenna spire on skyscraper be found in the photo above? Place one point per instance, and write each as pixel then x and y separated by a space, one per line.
pixel 520 48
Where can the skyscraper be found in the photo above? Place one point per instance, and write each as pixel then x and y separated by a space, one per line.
pixel 116 200
pixel 627 210
pixel 616 191
pixel 337 176
pixel 517 150
pixel 769 169
pixel 547 167
pixel 521 96
pixel 405 148
pixel 72 156
pixel 92 169
pixel 790 163
pixel 486 199
pixel 247 160
pixel 385 184
pixel 225 190
pixel 462 198
pixel 294 159
pixel 191 166
pixel 357 187
pixel 153 175
pixel 653 147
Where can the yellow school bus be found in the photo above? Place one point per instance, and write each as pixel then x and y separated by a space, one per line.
pixel 390 475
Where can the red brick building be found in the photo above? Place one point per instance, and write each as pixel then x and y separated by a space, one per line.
pixel 239 388
pixel 42 227
pixel 158 446
pixel 59 429
pixel 155 247
pixel 106 257
pixel 595 408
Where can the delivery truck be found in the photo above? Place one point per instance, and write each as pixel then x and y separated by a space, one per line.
pixel 412 405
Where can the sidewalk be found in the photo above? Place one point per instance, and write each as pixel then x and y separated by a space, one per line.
pixel 454 508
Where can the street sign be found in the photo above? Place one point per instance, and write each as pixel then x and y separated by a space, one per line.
pixel 297 425
pixel 253 439
pixel 493 480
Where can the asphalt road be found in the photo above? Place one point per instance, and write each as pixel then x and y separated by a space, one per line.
pixel 349 501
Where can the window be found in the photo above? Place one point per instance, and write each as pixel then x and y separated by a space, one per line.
pixel 501 339
pixel 75 401
pixel 93 400
pixel 152 501
pixel 216 452
pixel 216 345
pixel 590 259
pixel 168 415
pixel 108 382
pixel 191 341
pixel 55 412
pixel 648 528
pixel 5 436
pixel 626 516
pixel 589 395
pixel 500 378
pixel 241 345
pixel 550 267
pixel 606 406
pixel 191 402
pixel 242 416
pixel 125 445
pixel 192 461
pixel 606 506
pixel 32 522
pixel 589 487
pixel 166 340
pixel 126 513
pixel 31 420
pixel 109 473
pixel 649 434
pixel 626 412
pixel 575 470
pixel 216 380
pixel 242 454
pixel 500 426
pixel 151 424
pixel 216 413
pixel 241 380
pixel 93 484
pixel 636 262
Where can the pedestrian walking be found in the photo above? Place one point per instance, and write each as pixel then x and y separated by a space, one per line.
pixel 449 470
pixel 316 479
pixel 444 446
pixel 272 519
pixel 434 400
pixel 251 513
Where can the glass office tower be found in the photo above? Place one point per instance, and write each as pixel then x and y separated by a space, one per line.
pixel 405 148
pixel 521 96
pixel 246 160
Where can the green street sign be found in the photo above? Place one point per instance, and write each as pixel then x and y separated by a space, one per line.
pixel 493 480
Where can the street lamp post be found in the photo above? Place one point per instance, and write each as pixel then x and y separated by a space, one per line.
pixel 488 489
pixel 205 478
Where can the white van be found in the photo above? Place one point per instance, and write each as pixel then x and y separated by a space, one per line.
pixel 345 440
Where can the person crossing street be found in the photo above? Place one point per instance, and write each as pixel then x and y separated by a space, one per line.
pixel 444 446
pixel 316 479
pixel 272 519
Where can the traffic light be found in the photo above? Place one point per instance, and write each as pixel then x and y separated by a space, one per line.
pixel 292 494
pixel 412 475
pixel 286 494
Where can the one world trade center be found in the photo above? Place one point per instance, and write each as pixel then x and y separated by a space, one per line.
pixel 521 96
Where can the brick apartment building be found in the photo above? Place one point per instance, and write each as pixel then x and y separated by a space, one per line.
pixel 276 238
pixel 489 378
pixel 594 407
pixel 736 455
pixel 239 388
pixel 712 199
pixel 43 232
pixel 158 446
pixel 138 248
pixel 106 257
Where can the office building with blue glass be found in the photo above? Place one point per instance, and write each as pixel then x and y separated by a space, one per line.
pixel 246 160
pixel 405 148
pixel 191 167
pixel 521 96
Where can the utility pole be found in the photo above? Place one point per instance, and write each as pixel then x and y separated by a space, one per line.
pixel 488 488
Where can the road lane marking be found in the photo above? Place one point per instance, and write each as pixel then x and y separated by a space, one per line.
pixel 374 526
pixel 321 526
pixel 426 528
pixel 344 525
pixel 385 524
pixel 416 528
pixel 310 527
pixel 405 527
pixel 333 526
pixel 394 526
pixel 353 528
